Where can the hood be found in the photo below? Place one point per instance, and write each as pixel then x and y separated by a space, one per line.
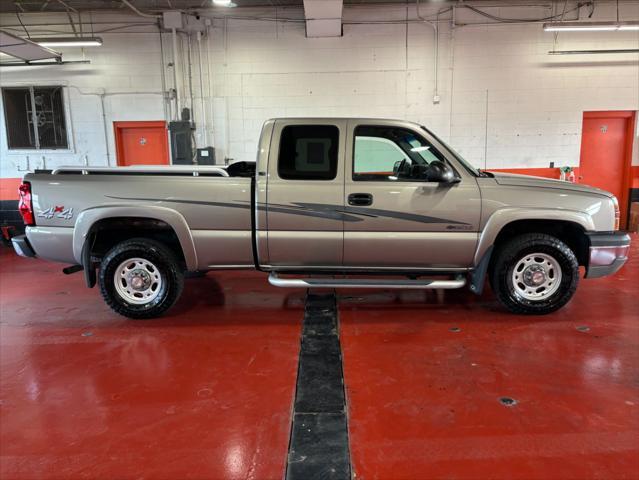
pixel 515 180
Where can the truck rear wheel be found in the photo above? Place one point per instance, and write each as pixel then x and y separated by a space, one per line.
pixel 534 273
pixel 140 278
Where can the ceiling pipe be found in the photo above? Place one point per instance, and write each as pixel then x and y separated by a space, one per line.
pixel 67 6
pixel 138 12
pixel 165 96
pixel 174 52
pixel 435 27
pixel 202 106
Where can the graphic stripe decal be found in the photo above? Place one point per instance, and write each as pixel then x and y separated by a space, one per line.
pixel 328 214
pixel 376 212
pixel 317 210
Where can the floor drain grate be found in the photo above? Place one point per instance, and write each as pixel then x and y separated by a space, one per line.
pixel 509 402
pixel 319 445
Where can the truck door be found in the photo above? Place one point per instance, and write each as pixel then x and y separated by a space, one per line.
pixel 405 224
pixel 305 186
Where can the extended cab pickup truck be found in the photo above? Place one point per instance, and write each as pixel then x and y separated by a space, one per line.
pixel 330 202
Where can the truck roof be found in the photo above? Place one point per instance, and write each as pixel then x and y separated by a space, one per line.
pixel 332 119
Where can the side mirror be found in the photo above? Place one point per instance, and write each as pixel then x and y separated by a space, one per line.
pixel 437 171
pixel 402 169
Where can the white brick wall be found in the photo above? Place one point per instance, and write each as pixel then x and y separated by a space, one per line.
pixel 264 69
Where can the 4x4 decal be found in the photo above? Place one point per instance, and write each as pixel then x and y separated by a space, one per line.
pixel 57 211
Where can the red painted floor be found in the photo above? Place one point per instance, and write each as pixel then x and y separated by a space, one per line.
pixel 205 392
pixel 424 400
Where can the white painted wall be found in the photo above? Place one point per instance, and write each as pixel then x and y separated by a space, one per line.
pixel 123 78
pixel 505 103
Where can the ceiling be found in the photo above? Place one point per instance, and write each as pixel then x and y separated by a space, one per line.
pixel 27 6
pixel 61 6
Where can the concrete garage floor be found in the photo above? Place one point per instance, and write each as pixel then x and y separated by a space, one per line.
pixel 207 391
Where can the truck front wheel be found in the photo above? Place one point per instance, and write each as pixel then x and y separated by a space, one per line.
pixel 534 273
pixel 140 278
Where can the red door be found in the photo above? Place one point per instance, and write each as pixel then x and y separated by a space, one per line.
pixel 141 143
pixel 606 149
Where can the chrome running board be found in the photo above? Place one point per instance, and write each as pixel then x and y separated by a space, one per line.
pixel 275 280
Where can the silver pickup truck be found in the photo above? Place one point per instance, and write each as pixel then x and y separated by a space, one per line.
pixel 330 202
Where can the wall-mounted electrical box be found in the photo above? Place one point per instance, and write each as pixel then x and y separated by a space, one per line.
pixel 184 22
pixel 181 142
pixel 172 20
pixel 206 156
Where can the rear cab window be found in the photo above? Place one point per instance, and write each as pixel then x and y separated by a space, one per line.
pixel 308 152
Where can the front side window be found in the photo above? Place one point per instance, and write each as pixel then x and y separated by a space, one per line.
pixel 381 152
pixel 308 152
pixel 34 117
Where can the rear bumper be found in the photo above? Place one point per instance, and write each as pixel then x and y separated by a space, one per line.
pixel 608 253
pixel 22 246
pixel 52 243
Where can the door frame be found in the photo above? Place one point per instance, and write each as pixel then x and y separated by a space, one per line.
pixel 439 236
pixel 626 182
pixel 282 219
pixel 117 135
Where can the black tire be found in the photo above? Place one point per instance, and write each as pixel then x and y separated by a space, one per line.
pixel 168 268
pixel 508 257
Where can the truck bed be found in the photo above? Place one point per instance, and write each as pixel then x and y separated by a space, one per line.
pixel 215 207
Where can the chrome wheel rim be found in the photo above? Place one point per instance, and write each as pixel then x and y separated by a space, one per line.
pixel 137 281
pixel 536 276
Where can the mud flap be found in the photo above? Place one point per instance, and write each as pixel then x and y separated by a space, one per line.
pixel 89 270
pixel 478 278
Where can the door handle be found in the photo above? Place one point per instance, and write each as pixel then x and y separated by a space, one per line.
pixel 360 199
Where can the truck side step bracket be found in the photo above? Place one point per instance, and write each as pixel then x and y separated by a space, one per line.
pixel 314 282
pixel 72 269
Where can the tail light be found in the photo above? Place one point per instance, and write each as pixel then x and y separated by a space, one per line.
pixel 617 213
pixel 25 205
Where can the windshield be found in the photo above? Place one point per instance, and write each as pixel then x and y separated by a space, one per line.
pixel 458 157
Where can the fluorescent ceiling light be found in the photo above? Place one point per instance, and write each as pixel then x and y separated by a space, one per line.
pixel 590 26
pixel 68 41
pixel 419 149
pixel 223 3
pixel 592 52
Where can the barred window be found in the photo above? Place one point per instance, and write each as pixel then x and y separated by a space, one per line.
pixel 34 117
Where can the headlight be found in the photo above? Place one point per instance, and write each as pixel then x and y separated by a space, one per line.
pixel 615 202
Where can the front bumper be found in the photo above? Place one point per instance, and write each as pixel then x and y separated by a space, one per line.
pixel 608 253
pixel 22 246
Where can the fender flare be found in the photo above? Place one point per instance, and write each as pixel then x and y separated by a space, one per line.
pixel 504 216
pixel 87 219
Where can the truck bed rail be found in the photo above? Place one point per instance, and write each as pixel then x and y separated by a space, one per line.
pixel 195 171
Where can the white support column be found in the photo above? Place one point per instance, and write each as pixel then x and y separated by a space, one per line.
pixel 323 18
